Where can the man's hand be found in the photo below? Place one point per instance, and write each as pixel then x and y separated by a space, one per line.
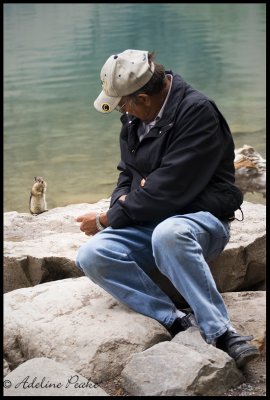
pixel 123 197
pixel 88 223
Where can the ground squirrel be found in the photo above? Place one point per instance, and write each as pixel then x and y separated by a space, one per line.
pixel 37 201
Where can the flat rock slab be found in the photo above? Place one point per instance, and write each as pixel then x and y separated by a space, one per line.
pixel 43 248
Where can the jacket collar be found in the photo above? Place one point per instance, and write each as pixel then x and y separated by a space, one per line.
pixel 175 98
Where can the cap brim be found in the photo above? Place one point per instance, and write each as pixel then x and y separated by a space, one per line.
pixel 106 104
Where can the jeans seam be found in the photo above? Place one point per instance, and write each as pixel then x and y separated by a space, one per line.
pixel 205 282
pixel 128 255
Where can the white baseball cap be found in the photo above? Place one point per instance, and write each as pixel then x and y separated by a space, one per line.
pixel 121 75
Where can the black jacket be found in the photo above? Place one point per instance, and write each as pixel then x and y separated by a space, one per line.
pixel 186 159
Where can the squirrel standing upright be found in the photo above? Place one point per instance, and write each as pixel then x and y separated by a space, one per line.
pixel 37 201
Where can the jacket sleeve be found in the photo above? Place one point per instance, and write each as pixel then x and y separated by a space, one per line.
pixel 190 161
pixel 123 184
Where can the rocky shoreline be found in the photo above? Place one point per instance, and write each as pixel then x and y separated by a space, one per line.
pixel 60 324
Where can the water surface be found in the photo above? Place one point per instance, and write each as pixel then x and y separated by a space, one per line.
pixel 52 57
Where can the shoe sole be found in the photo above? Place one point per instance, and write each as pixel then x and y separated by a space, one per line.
pixel 246 357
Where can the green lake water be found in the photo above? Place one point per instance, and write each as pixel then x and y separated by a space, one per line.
pixel 52 58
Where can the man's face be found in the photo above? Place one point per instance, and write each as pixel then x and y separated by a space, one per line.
pixel 137 108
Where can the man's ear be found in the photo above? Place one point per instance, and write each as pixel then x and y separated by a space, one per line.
pixel 144 99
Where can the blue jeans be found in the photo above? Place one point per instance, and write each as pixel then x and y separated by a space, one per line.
pixel 119 260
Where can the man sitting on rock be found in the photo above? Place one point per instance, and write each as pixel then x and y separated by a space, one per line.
pixel 173 203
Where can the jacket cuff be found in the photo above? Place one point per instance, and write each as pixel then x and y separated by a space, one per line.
pixel 117 217
pixel 115 196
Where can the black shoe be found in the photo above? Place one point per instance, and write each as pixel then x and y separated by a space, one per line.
pixel 237 347
pixel 182 324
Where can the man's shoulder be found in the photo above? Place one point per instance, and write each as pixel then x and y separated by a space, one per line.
pixel 191 94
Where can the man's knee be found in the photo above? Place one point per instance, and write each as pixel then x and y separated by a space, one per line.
pixel 89 259
pixel 169 232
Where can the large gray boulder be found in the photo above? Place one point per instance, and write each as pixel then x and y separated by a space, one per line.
pixel 242 266
pixel 75 322
pixel 43 248
pixel 193 368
